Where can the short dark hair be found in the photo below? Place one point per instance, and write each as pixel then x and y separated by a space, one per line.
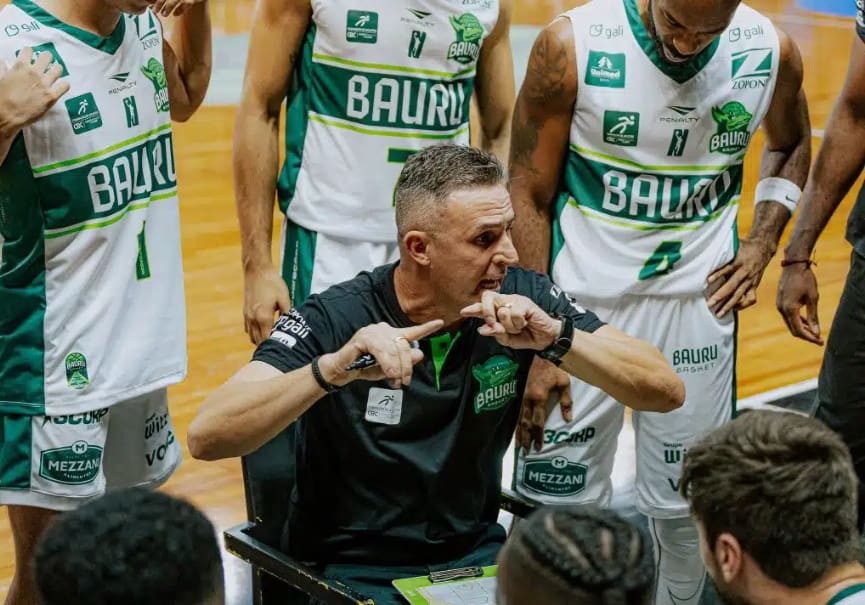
pixel 783 484
pixel 580 555
pixel 432 174
pixel 135 547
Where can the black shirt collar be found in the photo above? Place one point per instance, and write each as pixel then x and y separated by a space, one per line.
pixel 385 287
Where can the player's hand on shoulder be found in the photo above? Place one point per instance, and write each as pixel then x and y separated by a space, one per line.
pixel 174 8
pixel 514 321
pixel 29 88
pixel 390 348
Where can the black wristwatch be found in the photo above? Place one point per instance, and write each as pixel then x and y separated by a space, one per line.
pixel 562 344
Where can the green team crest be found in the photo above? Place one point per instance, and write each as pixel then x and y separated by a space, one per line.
pixel 732 136
pixel 469 32
pixel 497 383
pixel 76 371
pixel 154 72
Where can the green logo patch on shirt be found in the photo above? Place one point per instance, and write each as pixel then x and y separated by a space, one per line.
pixel 621 127
pixel 605 69
pixel 497 383
pixel 732 136
pixel 361 27
pixel 83 113
pixel 469 32
pixel 76 371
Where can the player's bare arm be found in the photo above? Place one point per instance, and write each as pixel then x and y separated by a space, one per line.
pixel 27 91
pixel 259 401
pixel 277 24
pixel 539 143
pixel 188 55
pixel 539 140
pixel 495 85
pixel 786 155
pixel 839 162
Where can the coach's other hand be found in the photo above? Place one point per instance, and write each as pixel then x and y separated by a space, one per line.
pixel 391 347
pixel 514 321
pixel 632 371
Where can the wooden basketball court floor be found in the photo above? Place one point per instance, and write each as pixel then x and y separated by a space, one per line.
pixel 769 357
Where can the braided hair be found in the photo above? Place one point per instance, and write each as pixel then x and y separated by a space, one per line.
pixel 579 555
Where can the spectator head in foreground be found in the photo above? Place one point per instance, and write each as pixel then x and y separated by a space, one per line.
pixel 774 498
pixel 135 547
pixel 567 555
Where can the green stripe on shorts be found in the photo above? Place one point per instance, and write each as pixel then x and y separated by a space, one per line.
pixel 297 261
pixel 15 448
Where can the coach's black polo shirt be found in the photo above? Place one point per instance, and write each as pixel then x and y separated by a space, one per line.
pixel 412 475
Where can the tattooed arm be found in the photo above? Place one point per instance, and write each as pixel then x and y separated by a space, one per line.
pixel 539 139
pixel 539 143
pixel 278 28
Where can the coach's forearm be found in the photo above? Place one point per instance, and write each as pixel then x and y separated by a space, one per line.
pixel 239 417
pixel 256 163
pixel 630 370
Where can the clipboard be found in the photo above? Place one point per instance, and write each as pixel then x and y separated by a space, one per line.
pixel 478 590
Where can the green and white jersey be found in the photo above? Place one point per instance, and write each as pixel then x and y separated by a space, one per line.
pixel 375 82
pixel 653 174
pixel 852 595
pixel 91 281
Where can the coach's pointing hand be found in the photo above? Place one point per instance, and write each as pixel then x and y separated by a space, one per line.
pixel 394 356
pixel 514 321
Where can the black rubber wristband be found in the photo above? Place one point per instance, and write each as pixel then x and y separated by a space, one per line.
pixel 316 373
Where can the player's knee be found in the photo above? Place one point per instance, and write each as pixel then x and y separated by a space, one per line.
pixel 681 573
pixel 676 536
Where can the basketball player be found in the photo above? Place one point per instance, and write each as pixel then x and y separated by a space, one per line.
pixel 369 84
pixel 93 323
pixel 626 162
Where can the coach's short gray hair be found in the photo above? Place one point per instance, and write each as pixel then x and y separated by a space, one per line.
pixel 431 175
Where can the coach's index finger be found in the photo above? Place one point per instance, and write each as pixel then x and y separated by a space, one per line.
pixel 422 330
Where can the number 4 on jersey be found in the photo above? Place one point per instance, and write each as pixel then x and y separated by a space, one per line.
pixel 662 260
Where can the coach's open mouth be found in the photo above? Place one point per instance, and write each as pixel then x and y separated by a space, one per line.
pixel 490 284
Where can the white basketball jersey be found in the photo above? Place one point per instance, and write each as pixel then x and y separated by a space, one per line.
pixel 91 282
pixel 371 87
pixel 653 172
